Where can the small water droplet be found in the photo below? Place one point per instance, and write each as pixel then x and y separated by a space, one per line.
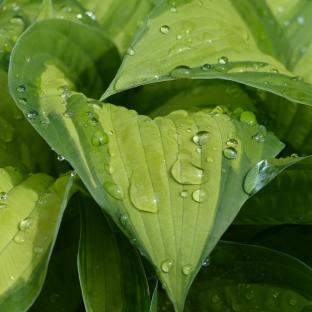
pixel 259 137
pixel 99 139
pixel 166 266
pixel 292 302
pixel 3 196
pixel 275 71
pixel 248 118
pixel 25 224
pixel 187 270
pixel 165 29
pixel 79 16
pixel 223 60
pixel 91 15
pixel 22 101
pixel 73 173
pixel 230 153
pixel 209 160
pixel 206 263
pixel 114 190
pixel 201 137
pixel 184 172
pixel 215 299
pixel 32 115
pixel 184 193
pixel 130 51
pixel 199 195
pixel 206 67
pixel 300 20
pixel 180 71
pixel 60 158
pixel 19 238
pixel 124 219
pixel 21 88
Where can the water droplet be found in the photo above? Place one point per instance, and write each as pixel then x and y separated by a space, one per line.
pixel 215 299
pixel 73 173
pixel 19 238
pixel 165 29
pixel 60 158
pixel 201 137
pixel 184 193
pixel 232 142
pixel 32 115
pixel 248 118
pixel 91 15
pixel 275 71
pixel 294 155
pixel 21 88
pixel 206 67
pixel 3 196
pixel 130 51
pixel 199 195
pixel 166 266
pixel 223 60
pixel 28 59
pixel 124 219
pixel 3 205
pixel 300 20
pixel 79 16
pixel 180 71
pixel 22 101
pixel 259 137
pixel 209 160
pixel 184 172
pixel 114 190
pixel 187 270
pixel 230 153
pixel 99 139
pixel 25 224
pixel 206 263
pixel 292 302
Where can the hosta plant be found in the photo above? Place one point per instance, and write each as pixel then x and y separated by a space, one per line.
pixel 155 155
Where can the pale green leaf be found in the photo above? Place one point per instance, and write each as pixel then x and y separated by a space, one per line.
pixel 206 39
pixel 111 273
pixel 31 209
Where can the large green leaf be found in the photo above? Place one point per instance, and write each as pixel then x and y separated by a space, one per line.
pixel 287 200
pixel 111 273
pixel 31 208
pixel 237 41
pixel 251 278
pixel 61 290
pixel 119 20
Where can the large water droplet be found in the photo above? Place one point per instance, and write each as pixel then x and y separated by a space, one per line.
pixel 223 60
pixel 21 88
pixel 187 270
pixel 25 224
pixel 114 190
pixel 201 137
pixel 180 71
pixel 230 153
pixel 165 29
pixel 99 139
pixel 3 195
pixel 199 195
pixel 166 266
pixel 248 118
pixel 184 172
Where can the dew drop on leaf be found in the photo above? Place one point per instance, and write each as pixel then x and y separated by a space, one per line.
pixel 184 193
pixel 206 67
pixel 60 158
pixel 99 139
pixel 3 196
pixel 259 137
pixel 166 266
pixel 25 224
pixel 114 190
pixel 21 88
pixel 232 142
pixel 206 263
pixel 19 238
pixel 184 172
pixel 123 219
pixel 130 51
pixel 187 270
pixel 223 60
pixel 201 137
pixel 32 115
pixel 180 71
pixel 165 29
pixel 230 153
pixel 22 101
pixel 199 195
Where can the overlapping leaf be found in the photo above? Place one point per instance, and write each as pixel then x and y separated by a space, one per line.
pixel 30 212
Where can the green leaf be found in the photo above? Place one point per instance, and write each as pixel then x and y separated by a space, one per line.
pixel 118 22
pixel 283 201
pixel 111 273
pixel 251 278
pixel 31 209
pixel 154 301
pixel 61 290
pixel 208 40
